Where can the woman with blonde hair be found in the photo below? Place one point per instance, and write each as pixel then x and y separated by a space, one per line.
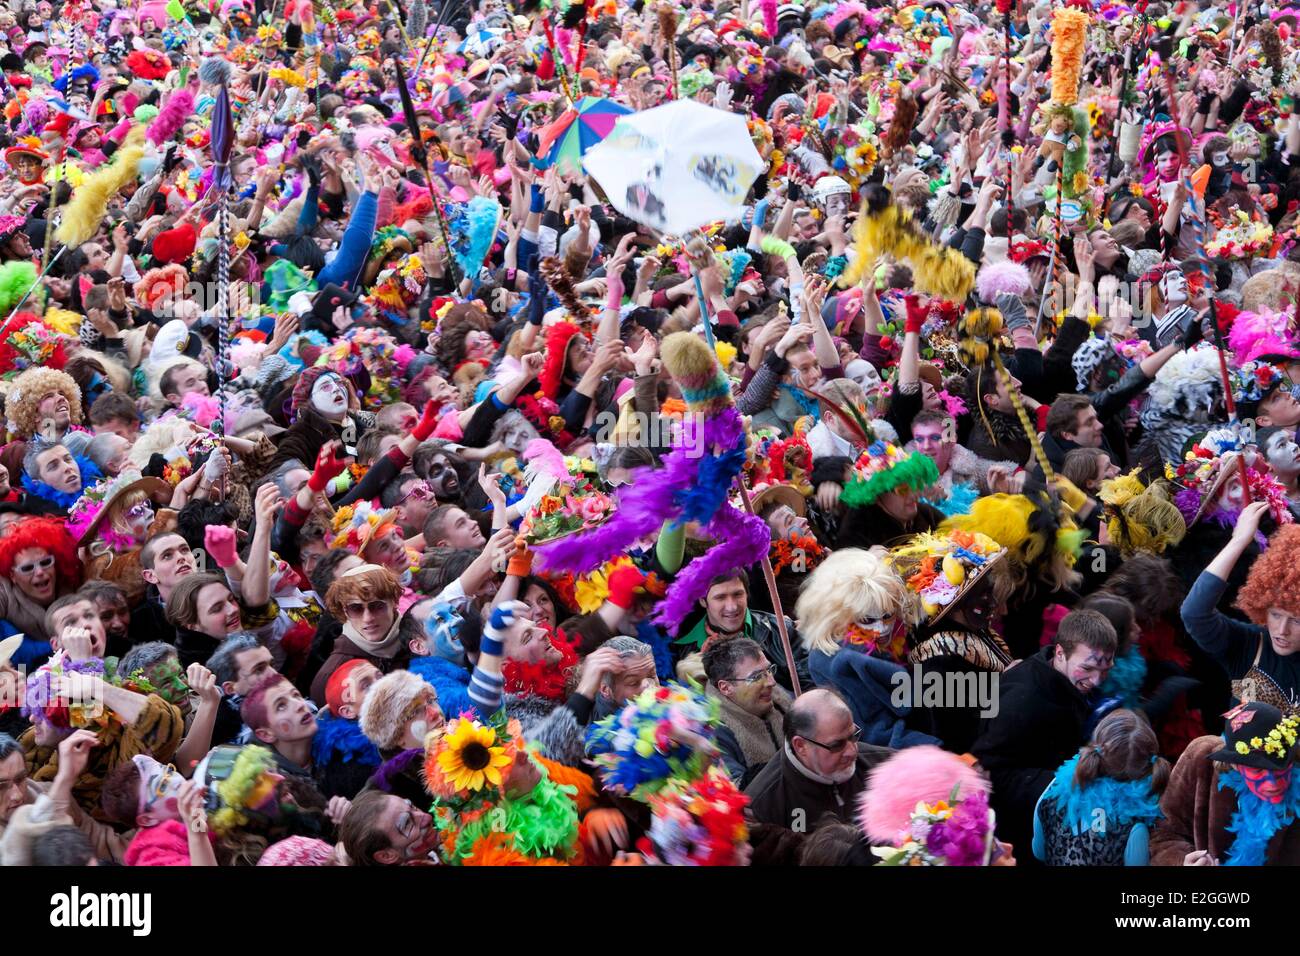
pixel 854 614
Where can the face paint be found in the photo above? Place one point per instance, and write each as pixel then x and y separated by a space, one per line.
pixel 329 396
pixel 138 519
pixel 1269 785
pixel 1219 159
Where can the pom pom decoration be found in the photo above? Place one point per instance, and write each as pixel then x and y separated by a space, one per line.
pixel 664 734
pixel 473 229
pixel 1001 277
pixel 692 485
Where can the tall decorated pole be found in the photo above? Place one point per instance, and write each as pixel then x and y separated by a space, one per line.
pixel 216 72
pixel 421 156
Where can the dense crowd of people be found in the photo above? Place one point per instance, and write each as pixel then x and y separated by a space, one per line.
pixel 622 433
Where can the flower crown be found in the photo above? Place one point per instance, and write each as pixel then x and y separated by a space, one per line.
pixel 92 501
pixel 953 832
pixel 1277 743
pixel 1252 380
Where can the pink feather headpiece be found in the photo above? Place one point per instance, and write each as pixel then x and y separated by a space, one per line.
pixel 915 775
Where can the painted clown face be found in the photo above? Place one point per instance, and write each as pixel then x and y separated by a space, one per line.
pixel 1173 288
pixel 160 787
pixel 1167 165
pixel 1269 785
pixel 329 396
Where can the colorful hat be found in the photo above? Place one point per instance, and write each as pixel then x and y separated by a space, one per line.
pixel 885 467
pixel 1253 382
pixel 572 500
pixel 1258 735
pixel 243 786
pixel 929 808
pixel 1206 469
pixel 940 569
pixel 355 525
pixel 698 823
pixel 86 518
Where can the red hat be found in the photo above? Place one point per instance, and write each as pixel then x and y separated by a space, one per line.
pixel 175 245
pixel 558 337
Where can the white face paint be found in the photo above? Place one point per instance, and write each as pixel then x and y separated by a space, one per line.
pixel 1173 288
pixel 1219 159
pixel 329 396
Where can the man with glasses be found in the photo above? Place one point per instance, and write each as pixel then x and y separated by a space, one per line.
pixel 753 706
pixel 820 770
pixel 413 499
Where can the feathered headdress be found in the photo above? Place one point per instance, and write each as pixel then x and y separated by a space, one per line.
pixel 89 202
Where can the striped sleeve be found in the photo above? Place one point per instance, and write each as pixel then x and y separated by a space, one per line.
pixel 486 690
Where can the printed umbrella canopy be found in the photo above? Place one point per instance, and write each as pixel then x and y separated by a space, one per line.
pixel 677 167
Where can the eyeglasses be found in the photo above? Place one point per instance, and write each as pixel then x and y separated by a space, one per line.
pixel 853 738
pixel 419 491
pixel 356 608
pixel 30 568
pixel 759 675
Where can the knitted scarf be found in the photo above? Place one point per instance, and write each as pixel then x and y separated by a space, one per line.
pixel 386 647
pixel 1120 801
pixel 1256 820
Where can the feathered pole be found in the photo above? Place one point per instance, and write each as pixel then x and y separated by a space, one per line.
pixel 769 578
pixel 216 72
pixel 1229 402
pixel 421 156
pixel 53 205
pixel 668 27
pixel 691 486
pixel 560 70
pixel 561 283
pixel 977 344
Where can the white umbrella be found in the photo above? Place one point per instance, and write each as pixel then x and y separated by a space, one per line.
pixel 676 167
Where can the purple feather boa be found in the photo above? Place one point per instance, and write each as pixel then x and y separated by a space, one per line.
pixel 740 540
pixel 647 501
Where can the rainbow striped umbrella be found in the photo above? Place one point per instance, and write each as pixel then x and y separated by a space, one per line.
pixel 563 143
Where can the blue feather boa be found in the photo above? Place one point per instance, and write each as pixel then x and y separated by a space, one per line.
pixel 64 499
pixel 958 502
pixel 342 738
pixel 1126 677
pixel 1256 820
pixel 475 229
pixel 1120 801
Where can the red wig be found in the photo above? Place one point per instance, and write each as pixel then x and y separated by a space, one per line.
pixel 50 535
pixel 1274 578
pixel 558 337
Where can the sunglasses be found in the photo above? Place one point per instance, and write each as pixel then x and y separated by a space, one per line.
pixel 838 745
pixel 357 608
pixel 30 568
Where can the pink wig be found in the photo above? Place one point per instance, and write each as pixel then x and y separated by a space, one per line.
pixel 917 774
pixel 846 10
pixel 998 277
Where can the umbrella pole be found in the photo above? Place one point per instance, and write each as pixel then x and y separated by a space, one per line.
pixel 769 578
pixel 704 307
